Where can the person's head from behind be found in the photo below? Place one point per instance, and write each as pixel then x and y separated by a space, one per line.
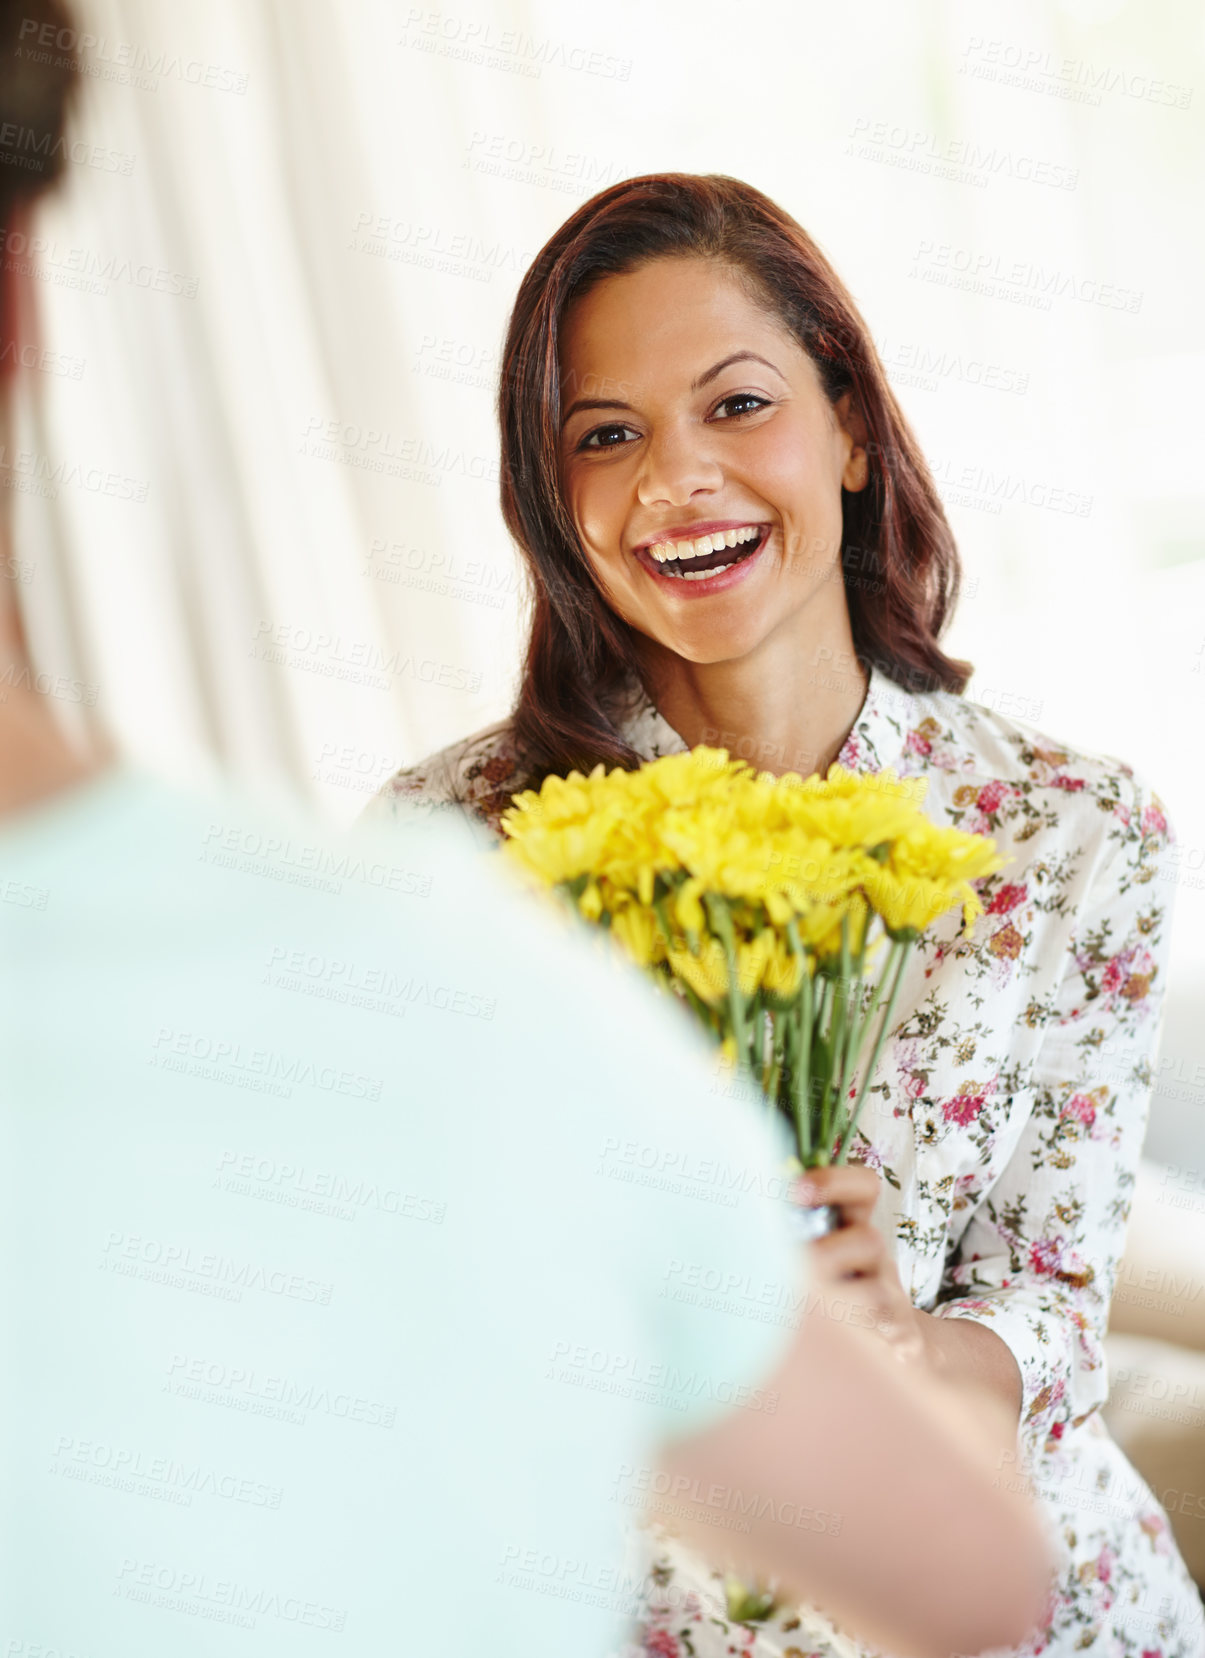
pixel 37 75
pixel 683 362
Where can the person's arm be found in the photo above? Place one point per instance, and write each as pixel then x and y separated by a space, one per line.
pixel 1036 1265
pixel 924 1548
pixel 1041 1252
pixel 970 1356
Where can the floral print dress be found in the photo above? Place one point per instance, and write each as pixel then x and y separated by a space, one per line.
pixel 1005 1119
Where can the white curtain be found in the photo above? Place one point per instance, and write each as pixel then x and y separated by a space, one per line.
pixel 249 479
pixel 255 475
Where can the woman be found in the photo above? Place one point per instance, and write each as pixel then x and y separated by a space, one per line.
pixel 733 539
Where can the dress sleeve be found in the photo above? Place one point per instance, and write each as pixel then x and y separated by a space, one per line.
pixel 465 788
pixel 412 792
pixel 1038 1260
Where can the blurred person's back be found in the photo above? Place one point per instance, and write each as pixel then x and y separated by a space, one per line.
pixel 332 1290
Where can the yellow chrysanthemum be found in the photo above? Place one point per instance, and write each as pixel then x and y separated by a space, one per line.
pixel 929 871
pixel 753 956
pixel 636 928
pixel 818 854
pixel 706 974
pixel 783 971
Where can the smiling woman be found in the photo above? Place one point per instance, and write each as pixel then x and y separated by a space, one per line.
pixel 746 448
pixel 733 539
pixel 743 390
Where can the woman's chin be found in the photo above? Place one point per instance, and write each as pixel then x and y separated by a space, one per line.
pixel 717 643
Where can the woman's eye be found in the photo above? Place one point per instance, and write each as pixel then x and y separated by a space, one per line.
pixel 603 435
pixel 612 437
pixel 750 399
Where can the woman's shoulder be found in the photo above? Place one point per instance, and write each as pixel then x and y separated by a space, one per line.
pixel 479 773
pixel 995 752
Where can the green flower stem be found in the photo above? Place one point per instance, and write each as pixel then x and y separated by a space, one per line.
pixel 857 1040
pixel 770 1083
pixel 855 1026
pixel 757 1037
pixel 772 1080
pixel 705 1015
pixel 802 1102
pixel 824 1063
pixel 869 1009
pixel 721 921
pixel 841 1011
pixel 660 911
pixel 809 1039
pixel 896 968
pixel 861 1027
pixel 789 1024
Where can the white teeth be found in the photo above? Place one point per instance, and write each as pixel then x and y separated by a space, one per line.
pixel 670 550
pixel 701 575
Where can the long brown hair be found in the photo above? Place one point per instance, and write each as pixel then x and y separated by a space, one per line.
pixel 899 559
pixel 36 88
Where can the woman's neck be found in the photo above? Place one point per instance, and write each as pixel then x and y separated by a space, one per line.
pixel 789 706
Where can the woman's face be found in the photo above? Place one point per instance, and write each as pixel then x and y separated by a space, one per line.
pixel 689 413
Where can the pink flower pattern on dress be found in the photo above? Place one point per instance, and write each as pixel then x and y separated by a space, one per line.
pixel 1007 898
pixel 917 743
pixel 992 796
pixel 963 1109
pixel 1154 822
pixel 1080 1108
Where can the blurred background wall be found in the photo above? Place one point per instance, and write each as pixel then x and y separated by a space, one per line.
pixel 255 472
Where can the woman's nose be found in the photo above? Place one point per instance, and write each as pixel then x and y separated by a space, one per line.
pixel 677 464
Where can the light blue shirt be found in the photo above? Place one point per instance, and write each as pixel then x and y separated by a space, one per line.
pixel 364 1231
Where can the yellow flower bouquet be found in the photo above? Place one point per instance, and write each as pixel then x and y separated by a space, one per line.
pixel 767 904
pixel 764 903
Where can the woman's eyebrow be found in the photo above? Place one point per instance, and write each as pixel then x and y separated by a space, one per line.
pixel 736 357
pixel 582 403
pixel 592 403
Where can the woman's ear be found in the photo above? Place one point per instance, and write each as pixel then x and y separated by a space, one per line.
pixel 856 472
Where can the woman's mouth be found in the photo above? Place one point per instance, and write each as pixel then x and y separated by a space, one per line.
pixel 707 561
